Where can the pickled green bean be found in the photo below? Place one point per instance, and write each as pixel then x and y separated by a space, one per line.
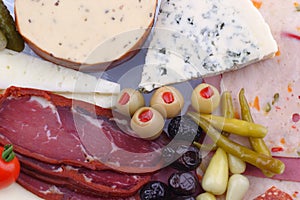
pixel 258 144
pixel 3 41
pixel 227 108
pixel 259 160
pixel 235 126
pixel 227 105
pixel 205 147
pixel 236 165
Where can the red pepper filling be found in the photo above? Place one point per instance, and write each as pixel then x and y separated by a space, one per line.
pixel 296 117
pixel 207 92
pixel 168 97
pixel 277 149
pixel 146 115
pixel 291 35
pixel 124 99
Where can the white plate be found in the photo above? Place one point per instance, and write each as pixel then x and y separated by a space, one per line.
pixel 121 74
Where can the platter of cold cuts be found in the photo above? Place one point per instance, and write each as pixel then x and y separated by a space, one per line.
pixel 149 99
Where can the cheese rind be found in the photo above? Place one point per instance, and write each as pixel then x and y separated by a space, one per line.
pixel 22 70
pixel 195 39
pixel 93 32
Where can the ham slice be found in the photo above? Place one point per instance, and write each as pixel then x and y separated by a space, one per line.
pixel 57 130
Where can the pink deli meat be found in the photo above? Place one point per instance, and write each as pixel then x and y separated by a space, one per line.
pixel 273 86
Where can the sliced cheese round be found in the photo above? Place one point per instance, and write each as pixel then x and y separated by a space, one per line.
pixel 85 35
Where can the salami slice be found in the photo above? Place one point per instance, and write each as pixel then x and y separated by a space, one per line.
pixel 274 194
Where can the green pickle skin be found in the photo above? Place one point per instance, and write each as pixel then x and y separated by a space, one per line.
pixel 261 161
pixel 8 28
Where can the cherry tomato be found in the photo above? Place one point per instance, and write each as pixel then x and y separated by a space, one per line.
pixel 9 166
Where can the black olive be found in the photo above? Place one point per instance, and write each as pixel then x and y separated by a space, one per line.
pixel 183 183
pixel 189 160
pixel 155 190
pixel 184 128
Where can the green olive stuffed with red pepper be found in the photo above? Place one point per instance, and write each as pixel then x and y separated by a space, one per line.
pixel 168 101
pixel 147 123
pixel 129 101
pixel 205 98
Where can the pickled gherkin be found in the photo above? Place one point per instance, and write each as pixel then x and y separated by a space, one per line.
pixel 8 28
pixel 3 41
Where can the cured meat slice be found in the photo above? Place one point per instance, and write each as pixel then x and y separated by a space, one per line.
pixel 274 194
pixel 50 191
pixel 57 130
pixel 97 182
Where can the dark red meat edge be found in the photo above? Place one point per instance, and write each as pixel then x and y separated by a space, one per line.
pixel 49 191
pixel 75 178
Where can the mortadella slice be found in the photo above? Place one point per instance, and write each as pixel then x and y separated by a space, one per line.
pixel 272 87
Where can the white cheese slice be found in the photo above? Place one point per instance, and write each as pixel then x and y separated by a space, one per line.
pixel 195 39
pixel 17 192
pixel 22 70
pixel 102 100
pixel 90 32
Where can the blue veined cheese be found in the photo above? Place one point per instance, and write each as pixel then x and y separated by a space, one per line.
pixel 195 39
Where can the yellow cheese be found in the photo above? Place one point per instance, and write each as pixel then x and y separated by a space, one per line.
pixel 81 31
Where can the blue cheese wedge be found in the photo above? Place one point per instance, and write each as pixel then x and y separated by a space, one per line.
pixel 22 70
pixel 195 39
